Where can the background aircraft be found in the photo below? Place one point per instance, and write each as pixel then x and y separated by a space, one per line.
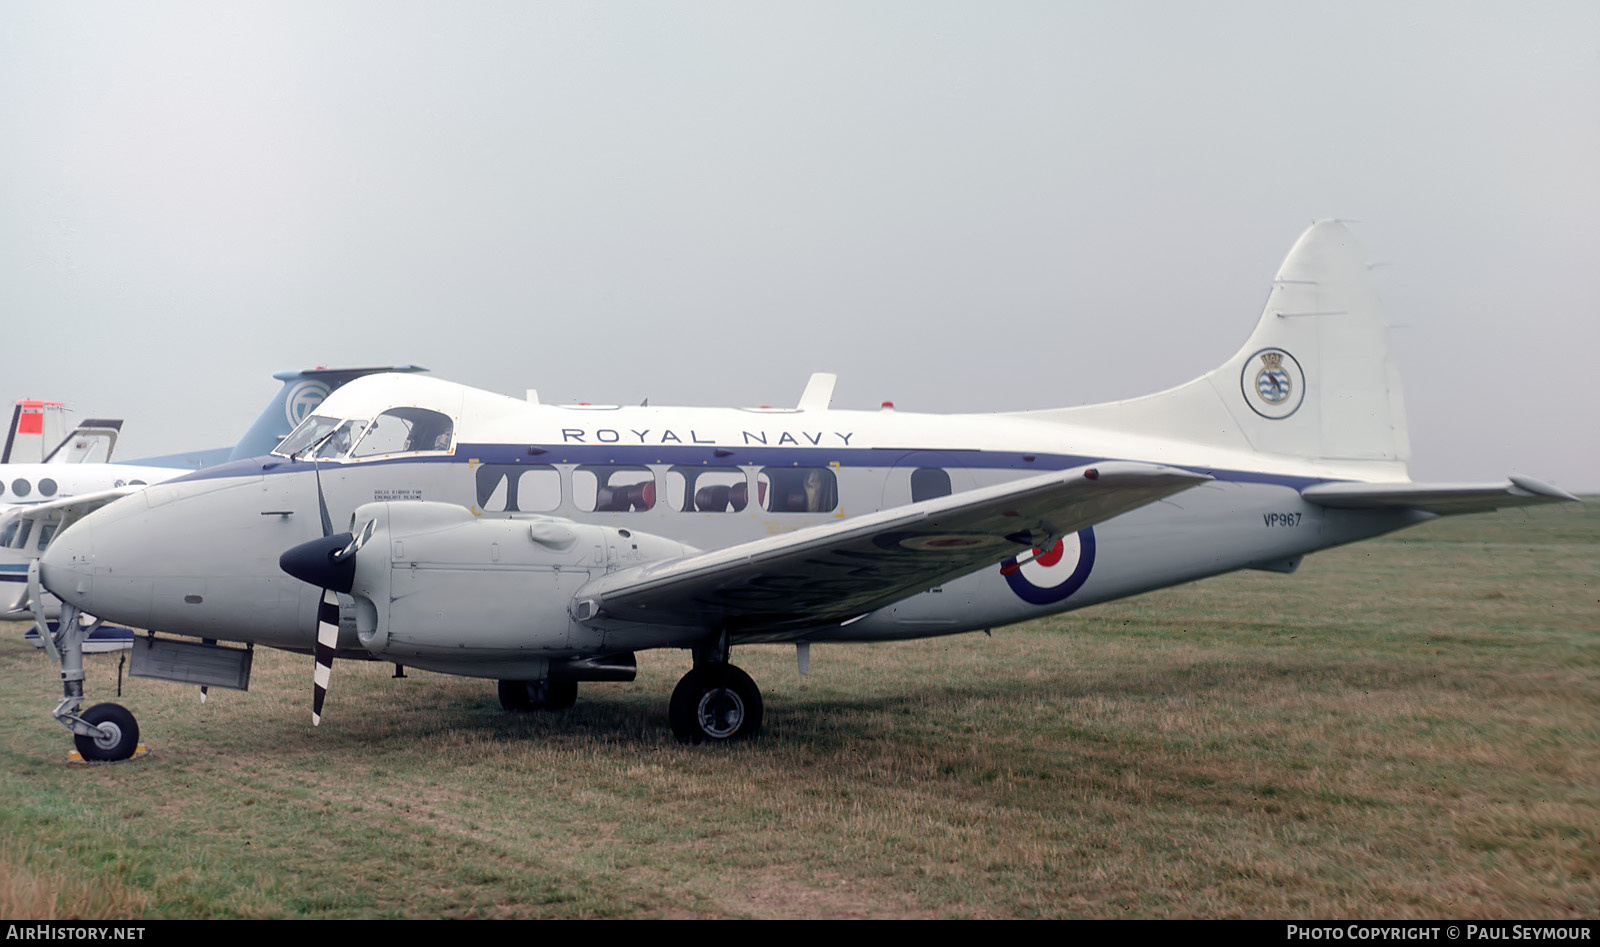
pixel 35 436
pixel 543 545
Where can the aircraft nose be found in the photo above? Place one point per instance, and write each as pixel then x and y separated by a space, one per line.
pixel 193 557
pixel 95 565
pixel 66 568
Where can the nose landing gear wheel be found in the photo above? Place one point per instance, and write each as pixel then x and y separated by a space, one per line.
pixel 118 737
pixel 715 703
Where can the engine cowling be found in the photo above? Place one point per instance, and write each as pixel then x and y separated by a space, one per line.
pixel 436 586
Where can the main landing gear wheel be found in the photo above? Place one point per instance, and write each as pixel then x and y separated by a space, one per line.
pixel 118 736
pixel 524 696
pixel 715 703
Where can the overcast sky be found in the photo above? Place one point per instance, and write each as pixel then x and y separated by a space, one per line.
pixel 956 206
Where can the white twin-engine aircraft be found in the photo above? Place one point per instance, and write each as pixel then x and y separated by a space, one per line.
pixel 439 526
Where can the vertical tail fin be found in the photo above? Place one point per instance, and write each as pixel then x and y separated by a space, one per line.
pixel 1315 379
pixel 36 426
pixel 93 441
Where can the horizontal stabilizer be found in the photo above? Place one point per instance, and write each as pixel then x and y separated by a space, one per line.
pixel 1441 498
pixel 827 574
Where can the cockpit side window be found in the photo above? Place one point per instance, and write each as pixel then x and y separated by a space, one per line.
pixel 310 431
pixel 342 440
pixel 406 430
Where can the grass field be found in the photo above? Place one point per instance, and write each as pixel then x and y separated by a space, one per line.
pixel 1406 728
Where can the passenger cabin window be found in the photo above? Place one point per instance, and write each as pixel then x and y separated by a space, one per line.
pixel 406 431
pixel 929 482
pixel 708 489
pixel 518 488
pixel 798 490
pixel 613 489
pixel 310 431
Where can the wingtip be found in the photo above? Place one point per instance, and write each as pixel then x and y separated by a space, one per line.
pixel 1540 488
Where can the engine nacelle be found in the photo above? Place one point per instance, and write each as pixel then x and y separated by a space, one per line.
pixel 436 586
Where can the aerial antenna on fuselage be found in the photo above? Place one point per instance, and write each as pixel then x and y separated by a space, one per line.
pixel 818 393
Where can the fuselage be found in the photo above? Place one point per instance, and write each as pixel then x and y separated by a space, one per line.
pixel 199 555
pixel 23 486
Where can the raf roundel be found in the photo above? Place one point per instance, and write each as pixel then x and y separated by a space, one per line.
pixel 1050 577
pixel 1273 384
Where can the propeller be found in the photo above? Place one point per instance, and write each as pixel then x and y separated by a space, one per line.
pixel 328 563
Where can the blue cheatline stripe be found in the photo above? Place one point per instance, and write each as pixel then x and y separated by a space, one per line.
pixel 735 456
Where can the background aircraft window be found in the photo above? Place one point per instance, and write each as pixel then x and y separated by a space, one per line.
pixel 47 487
pixel 21 487
pixel 929 482
pixel 798 490
pixel 518 488
pixel 309 432
pixel 613 489
pixel 406 430
pixel 707 489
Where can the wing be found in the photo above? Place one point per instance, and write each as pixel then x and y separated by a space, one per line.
pixel 828 574
pixel 1441 498
pixel 73 507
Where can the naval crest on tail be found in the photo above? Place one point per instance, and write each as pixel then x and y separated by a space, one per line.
pixel 1273 384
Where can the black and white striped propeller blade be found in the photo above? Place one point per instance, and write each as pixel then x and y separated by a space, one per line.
pixel 329 563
